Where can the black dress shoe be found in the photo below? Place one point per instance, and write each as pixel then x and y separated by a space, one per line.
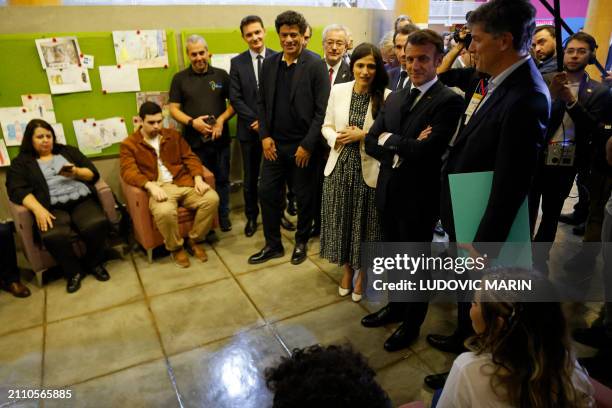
pixel 100 273
pixel 436 381
pixel 449 344
pixel 266 254
pixel 225 224
pixel 211 237
pixel 403 337
pixel 299 254
pixel 571 218
pixel 286 224
pixel 74 283
pixel 594 336
pixel 384 316
pixel 250 228
pixel 291 208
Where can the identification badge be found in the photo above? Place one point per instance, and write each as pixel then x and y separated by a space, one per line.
pixel 472 106
pixel 559 154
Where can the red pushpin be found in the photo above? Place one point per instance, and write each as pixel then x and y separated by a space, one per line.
pixel 29 96
pixel 121 120
pixel 104 91
pixel 24 110
pixel 135 120
pixel 81 55
pixel 166 66
pixel 94 124
pixel 54 39
pixel 119 66
pixel 138 32
pixel 84 120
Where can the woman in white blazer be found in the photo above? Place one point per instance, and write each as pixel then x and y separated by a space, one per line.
pixel 348 211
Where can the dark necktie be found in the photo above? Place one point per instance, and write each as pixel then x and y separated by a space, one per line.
pixel 331 76
pixel 259 63
pixel 414 93
pixel 402 80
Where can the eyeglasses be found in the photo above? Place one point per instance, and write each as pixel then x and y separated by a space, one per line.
pixel 579 51
pixel 331 43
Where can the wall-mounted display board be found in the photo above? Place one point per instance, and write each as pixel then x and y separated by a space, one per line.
pixel 21 73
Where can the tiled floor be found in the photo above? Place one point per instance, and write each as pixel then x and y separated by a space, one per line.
pixel 157 335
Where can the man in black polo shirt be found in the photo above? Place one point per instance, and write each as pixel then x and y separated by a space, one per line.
pixel 198 100
pixel 293 92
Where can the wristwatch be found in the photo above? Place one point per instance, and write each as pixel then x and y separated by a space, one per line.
pixel 190 123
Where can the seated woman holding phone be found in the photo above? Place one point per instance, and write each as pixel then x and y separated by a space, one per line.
pixel 56 183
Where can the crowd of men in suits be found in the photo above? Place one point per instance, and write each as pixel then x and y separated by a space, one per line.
pixel 502 119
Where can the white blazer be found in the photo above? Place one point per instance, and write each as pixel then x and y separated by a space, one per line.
pixel 337 118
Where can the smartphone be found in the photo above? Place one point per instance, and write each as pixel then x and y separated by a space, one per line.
pixel 67 167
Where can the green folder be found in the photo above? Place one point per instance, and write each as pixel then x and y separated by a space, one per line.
pixel 470 196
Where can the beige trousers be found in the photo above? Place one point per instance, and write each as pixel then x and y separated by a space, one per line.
pixel 165 213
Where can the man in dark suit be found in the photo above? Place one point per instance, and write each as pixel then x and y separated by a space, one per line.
pixel 408 187
pixel 293 92
pixel 501 132
pixel 398 76
pixel 244 74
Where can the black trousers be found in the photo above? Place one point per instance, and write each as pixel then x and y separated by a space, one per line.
pixel 417 229
pixel 274 176
pixel 251 164
pixel 320 170
pixel 87 220
pixel 217 160
pixel 581 208
pixel 551 186
pixel 9 273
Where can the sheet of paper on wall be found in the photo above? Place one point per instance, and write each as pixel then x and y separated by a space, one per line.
pixel 119 78
pixel 162 99
pixel 40 105
pixel 88 136
pixel 145 48
pixel 88 61
pixel 5 159
pixel 222 61
pixel 68 80
pixel 60 136
pixel 112 130
pixel 58 52
pixel 13 121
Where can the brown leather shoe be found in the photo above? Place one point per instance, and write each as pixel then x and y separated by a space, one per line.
pixel 18 289
pixel 197 250
pixel 180 258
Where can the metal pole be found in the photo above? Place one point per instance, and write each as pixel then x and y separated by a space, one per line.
pixel 558 34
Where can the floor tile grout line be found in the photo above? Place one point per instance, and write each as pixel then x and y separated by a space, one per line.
pixel 104 309
pixel 147 301
pixel 267 323
pixel 99 376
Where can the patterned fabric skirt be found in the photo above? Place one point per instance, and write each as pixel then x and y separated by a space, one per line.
pixel 348 211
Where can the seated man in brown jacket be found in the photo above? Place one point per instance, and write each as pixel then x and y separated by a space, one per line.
pixel 161 162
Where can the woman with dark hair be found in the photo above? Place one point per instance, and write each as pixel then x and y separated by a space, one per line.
pixel 56 183
pixel 348 212
pixel 521 353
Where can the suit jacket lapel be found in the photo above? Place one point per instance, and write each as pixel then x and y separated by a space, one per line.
pixel 271 76
pixel 250 70
pixel 343 74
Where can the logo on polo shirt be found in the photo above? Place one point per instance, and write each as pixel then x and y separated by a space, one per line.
pixel 215 85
